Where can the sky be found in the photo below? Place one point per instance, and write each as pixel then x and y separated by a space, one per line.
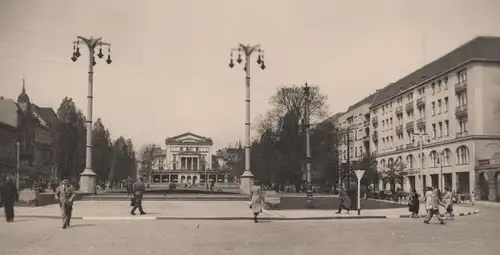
pixel 170 71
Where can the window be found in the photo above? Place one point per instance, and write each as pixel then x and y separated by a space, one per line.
pixel 462 99
pixel 445 83
pixel 433 108
pixel 439 86
pixel 440 129
pixel 462 76
pixel 439 107
pixel 462 155
pixel 410 161
pixel 390 123
pixel 445 108
pixel 433 86
pixel 410 97
pixel 446 128
pixel 446 157
pixel 433 131
pixel 433 159
pixel 462 125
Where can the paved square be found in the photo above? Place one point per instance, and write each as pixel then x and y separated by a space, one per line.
pixel 465 235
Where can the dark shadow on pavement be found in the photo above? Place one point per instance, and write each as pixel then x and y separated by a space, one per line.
pixel 83 225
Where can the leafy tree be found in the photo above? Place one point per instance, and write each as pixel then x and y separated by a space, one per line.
pixel 279 153
pixel 395 174
pixel 324 144
pixel 71 142
pixel 102 150
pixel 147 155
pixel 119 164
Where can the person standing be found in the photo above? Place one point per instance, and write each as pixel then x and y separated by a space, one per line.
pixel 130 186
pixel 433 207
pixel 342 198
pixel 428 199
pixel 448 202
pixel 8 197
pixel 138 190
pixel 256 200
pixel 65 194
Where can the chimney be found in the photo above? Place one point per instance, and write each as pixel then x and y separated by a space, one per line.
pixel 401 89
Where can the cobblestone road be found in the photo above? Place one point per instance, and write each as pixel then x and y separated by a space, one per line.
pixel 466 235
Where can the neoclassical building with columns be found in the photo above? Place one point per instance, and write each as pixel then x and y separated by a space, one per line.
pixel 187 159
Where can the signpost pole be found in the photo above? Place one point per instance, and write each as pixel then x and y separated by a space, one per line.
pixel 359 175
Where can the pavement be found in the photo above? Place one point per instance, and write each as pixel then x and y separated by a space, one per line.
pixel 462 236
pixel 206 210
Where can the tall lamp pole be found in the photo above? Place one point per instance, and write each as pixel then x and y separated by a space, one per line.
pixel 18 164
pixel 308 147
pixel 247 176
pixel 88 177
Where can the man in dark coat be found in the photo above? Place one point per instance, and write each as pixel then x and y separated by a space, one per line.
pixel 8 197
pixel 342 198
pixel 138 190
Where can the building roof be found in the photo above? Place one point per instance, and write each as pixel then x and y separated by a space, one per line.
pixel 367 100
pixel 9 112
pixel 50 116
pixel 480 48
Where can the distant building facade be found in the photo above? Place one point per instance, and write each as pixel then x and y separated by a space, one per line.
pixel 187 159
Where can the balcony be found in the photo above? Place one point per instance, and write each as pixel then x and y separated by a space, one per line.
pixel 400 147
pixel 374 153
pixel 399 110
pixel 399 129
pixel 462 134
pixel 461 111
pixel 421 102
pixel 409 106
pixel 421 123
pixel 375 136
pixel 410 145
pixel 460 87
pixel 410 126
pixel 374 121
pixel 366 123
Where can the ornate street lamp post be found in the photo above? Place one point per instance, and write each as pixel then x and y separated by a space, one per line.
pixel 88 177
pixel 247 176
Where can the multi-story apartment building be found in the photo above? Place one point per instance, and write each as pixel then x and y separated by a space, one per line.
pixel 354 125
pixel 187 159
pixel 441 123
pixel 37 135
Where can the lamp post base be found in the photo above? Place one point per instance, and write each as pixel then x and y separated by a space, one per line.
pixel 246 182
pixel 88 182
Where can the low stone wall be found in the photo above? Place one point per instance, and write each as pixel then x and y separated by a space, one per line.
pixel 43 199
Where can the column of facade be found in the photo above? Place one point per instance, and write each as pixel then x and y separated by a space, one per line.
pixel 454 181
pixel 492 185
pixel 192 163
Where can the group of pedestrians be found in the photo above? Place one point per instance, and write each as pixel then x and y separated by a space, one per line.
pixel 434 199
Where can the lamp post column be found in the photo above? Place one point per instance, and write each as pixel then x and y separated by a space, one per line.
pixel 88 176
pixel 309 203
pixel 247 176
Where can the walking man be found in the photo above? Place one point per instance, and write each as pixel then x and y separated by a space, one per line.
pixel 65 194
pixel 138 190
pixel 342 198
pixel 8 197
pixel 433 207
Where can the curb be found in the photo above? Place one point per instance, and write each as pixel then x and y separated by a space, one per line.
pixel 346 217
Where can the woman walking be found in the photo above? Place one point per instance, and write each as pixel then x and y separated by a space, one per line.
pixel 257 200
pixel 414 205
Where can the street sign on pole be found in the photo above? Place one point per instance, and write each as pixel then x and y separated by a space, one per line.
pixel 359 175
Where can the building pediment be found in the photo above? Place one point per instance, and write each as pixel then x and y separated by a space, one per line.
pixel 188 138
